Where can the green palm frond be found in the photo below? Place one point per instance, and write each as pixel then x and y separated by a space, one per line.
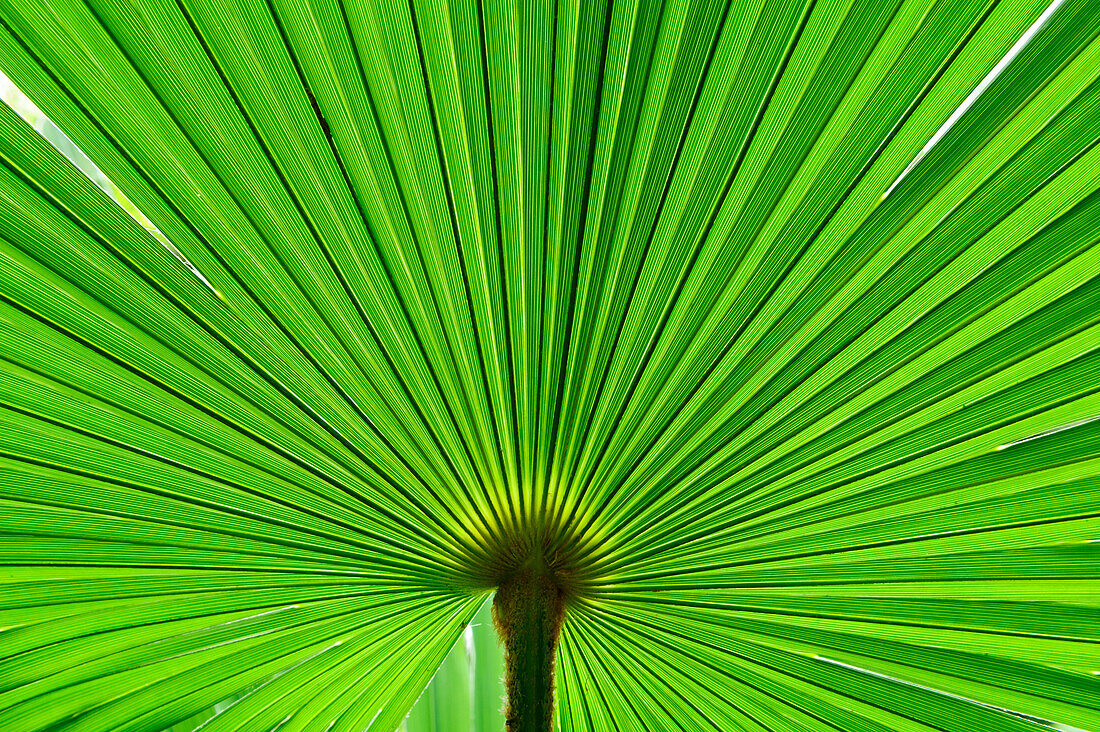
pixel 809 434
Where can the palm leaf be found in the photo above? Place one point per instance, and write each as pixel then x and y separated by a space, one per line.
pixel 656 286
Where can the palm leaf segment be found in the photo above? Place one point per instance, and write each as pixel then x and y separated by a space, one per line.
pixel 619 281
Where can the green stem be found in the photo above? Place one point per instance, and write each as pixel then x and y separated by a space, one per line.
pixel 528 612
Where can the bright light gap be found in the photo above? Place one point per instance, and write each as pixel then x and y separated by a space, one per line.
pixel 973 97
pixel 33 116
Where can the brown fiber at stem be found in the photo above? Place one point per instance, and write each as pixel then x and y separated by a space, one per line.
pixel 528 611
